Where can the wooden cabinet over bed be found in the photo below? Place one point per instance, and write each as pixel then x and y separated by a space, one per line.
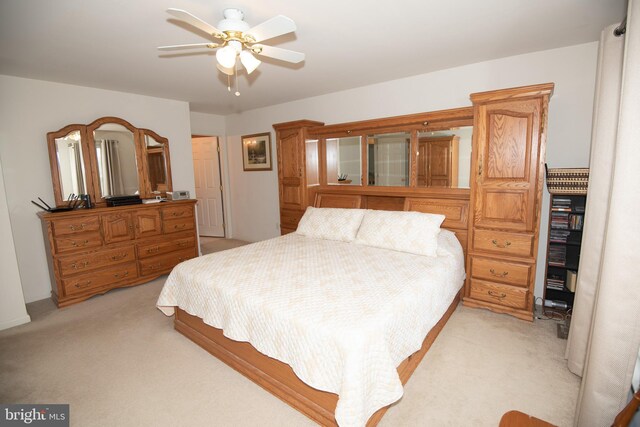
pixel 488 186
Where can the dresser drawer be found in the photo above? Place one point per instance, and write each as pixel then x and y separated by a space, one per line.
pixel 97 279
pixel 79 263
pixel 505 295
pixel 177 225
pixel 159 248
pixel 501 271
pixel 77 242
pixel 501 242
pixel 67 226
pixel 164 263
pixel 173 212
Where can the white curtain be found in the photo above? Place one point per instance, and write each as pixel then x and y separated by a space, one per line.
pixel 605 329
pixel 111 182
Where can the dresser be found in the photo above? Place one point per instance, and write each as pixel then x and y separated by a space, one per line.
pixel 91 251
pixel 506 194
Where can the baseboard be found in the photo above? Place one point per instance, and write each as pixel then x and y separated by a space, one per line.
pixel 15 322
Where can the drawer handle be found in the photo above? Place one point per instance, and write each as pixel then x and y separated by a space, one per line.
pixel 497 295
pixel 118 257
pixel 83 285
pixel 179 226
pixel 182 259
pixel 153 249
pixel 77 227
pixel 79 265
pixel 503 274
pixel 77 245
pixel 155 266
pixel 176 213
pixel 183 244
pixel 118 275
pixel 506 244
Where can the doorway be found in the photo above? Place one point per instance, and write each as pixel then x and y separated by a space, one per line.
pixel 208 180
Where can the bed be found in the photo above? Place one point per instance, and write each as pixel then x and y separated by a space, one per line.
pixel 332 327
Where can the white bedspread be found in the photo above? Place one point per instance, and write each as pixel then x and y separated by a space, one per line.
pixel 342 315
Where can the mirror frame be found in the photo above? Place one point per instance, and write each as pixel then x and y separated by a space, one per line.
pixel 145 164
pixel 56 178
pixel 97 191
pixel 90 159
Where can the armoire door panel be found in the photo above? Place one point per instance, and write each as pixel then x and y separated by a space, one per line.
pixel 291 197
pixel 290 155
pixel 506 181
pixel 505 207
pixel 507 156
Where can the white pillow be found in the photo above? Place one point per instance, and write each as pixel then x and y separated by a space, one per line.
pixel 413 232
pixel 330 223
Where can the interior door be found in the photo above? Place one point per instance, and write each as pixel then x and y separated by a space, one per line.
pixel 206 167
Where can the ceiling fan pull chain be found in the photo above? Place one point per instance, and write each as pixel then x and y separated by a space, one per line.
pixel 236 76
pixel 228 83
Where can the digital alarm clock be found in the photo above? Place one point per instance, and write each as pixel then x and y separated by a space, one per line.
pixel 178 195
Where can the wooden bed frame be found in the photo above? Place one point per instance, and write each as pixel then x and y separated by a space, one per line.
pixel 278 378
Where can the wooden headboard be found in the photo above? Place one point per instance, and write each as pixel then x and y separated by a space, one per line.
pixel 453 205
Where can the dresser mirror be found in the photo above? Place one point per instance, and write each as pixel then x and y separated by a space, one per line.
pixel 156 151
pixel 115 152
pixel 344 160
pixel 388 159
pixel 70 163
pixel 109 157
pixel 444 157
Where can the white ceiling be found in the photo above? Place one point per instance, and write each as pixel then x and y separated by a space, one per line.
pixel 111 44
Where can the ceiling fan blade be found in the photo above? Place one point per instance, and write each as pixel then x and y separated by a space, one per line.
pixel 188 46
pixel 278 53
pixel 274 27
pixel 185 16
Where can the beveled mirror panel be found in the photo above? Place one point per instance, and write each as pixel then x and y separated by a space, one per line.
pixel 156 152
pixel 344 160
pixel 115 152
pixel 388 159
pixel 444 157
pixel 71 167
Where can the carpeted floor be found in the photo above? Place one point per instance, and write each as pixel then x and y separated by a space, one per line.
pixel 117 360
pixel 215 244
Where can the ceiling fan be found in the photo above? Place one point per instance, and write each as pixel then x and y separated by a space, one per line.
pixel 238 40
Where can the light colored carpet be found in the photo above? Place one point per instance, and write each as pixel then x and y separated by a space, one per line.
pixel 117 360
pixel 215 244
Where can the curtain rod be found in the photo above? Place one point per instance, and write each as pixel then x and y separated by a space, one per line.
pixel 621 29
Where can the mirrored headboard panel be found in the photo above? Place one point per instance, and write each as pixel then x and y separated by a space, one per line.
pixel 109 157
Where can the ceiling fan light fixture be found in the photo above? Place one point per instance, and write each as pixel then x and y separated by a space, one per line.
pixel 249 61
pixel 227 71
pixel 226 56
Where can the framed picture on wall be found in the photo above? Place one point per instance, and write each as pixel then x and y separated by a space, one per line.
pixel 256 152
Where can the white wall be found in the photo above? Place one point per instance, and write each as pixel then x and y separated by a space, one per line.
pixel 12 309
pixel 572 69
pixel 31 108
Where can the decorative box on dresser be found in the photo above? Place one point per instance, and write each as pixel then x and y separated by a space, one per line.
pixel 508 155
pixel 293 174
pixel 91 251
